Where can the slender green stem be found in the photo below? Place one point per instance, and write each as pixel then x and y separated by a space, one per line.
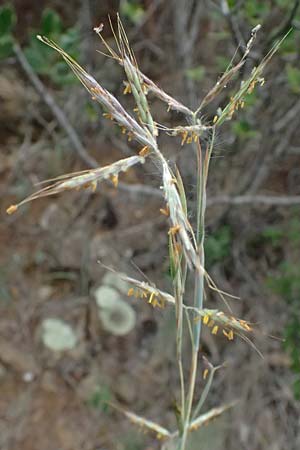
pixel 208 154
pixel 205 392
pixel 202 173
pixel 189 400
pixel 179 322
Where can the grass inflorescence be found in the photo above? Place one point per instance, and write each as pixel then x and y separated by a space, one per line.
pixel 186 242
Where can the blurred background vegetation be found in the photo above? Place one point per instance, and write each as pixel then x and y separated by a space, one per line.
pixel 49 250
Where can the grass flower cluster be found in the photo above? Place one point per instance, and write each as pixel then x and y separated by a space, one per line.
pixel 186 241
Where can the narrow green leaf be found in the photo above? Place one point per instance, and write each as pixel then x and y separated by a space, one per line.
pixel 172 259
pixel 181 191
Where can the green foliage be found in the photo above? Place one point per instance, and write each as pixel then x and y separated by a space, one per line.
pixel 100 398
pixel 196 73
pixel 7 22
pixel 223 63
pixel 290 45
pixel 293 77
pixel 292 343
pixel 42 59
pixel 7 19
pixel 256 10
pixel 290 232
pixel 274 235
pixel 132 10
pixel 286 283
pixel 231 3
pixel 217 246
pixel 51 23
pixel 242 129
pixel 297 388
pixel 284 4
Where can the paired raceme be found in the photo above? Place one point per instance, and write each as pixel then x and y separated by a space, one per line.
pixel 210 317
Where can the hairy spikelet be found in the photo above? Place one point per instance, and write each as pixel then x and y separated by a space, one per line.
pixel 112 106
pixel 84 179
pixel 179 221
pixel 144 424
pixel 204 419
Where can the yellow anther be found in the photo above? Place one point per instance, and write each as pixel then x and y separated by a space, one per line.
pixel 211 323
pixel 165 211
pixel 144 151
pixel 206 319
pixel 114 180
pixel 215 329
pixel 93 185
pixel 228 334
pixel 151 297
pixel 12 209
pixel 184 135
pixel 127 89
pixel 174 230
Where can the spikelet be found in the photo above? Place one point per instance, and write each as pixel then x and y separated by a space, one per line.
pixel 84 179
pixel 135 81
pixel 229 74
pixel 147 84
pixel 151 294
pixel 107 100
pixel 178 217
pixel 144 424
pixel 189 133
pixel 205 418
pixel 166 98
pixel 145 291
pixel 137 90
pixel 247 86
pixel 210 317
